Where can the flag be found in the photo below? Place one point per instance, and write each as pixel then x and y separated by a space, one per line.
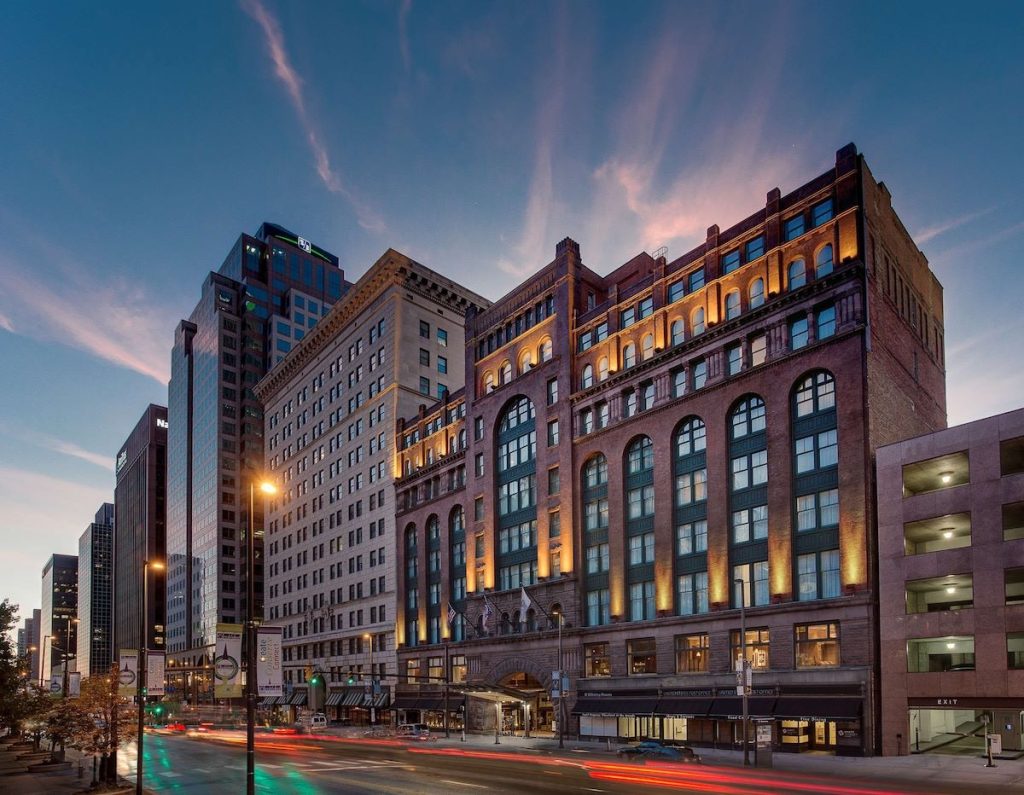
pixel 451 614
pixel 488 612
pixel 524 604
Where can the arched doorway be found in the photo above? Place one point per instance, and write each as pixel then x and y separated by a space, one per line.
pixel 532 711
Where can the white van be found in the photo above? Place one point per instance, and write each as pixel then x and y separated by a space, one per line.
pixel 314 722
pixel 413 731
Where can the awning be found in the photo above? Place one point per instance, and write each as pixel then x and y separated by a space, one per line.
pixel 381 700
pixel 813 708
pixel 682 707
pixel 406 701
pixel 732 706
pixel 588 705
pixel 298 698
pixel 353 697
pixel 268 701
pixel 334 698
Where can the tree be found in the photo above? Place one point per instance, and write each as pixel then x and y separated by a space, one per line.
pixel 112 720
pixel 20 700
pixel 68 723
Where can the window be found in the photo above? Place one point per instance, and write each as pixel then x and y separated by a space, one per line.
pixel 754 249
pixel 793 227
pixel 552 391
pixel 732 304
pixel 505 373
pixel 825 322
pixel 597 558
pixel 640 456
pixel 595 472
pixel 817 511
pixel 933 535
pixel 554 482
pixel 442 338
pixel 796 273
pixel 943 472
pixel 821 213
pixel 730 261
pixel 700 373
pixel 629 355
pixel 602 368
pixel 641 601
pixel 601 414
pixel 1015 650
pixel 678 332
pixel 750 524
pixel 647 347
pixel 755 583
pixel 823 262
pixel 734 359
pixel 798 333
pixel 424 385
pixel 755 293
pixel 691 438
pixel 546 350
pixel 586 421
pixel 424 329
pixel 692 537
pixel 692 654
pixel 1011 456
pixel 758 349
pixel 953 653
pixel 1013 521
pixel 424 357
pixel 748 417
pixel 940 594
pixel 641 549
pixel 697 321
pixel 629 403
pixel 597 660
pixel 679 383
pixel 691 487
pixel 676 290
pixel 552 433
pixel 647 396
pixel 479 464
pixel 695 280
pixel 598 613
pixel 817 452
pixel 478 508
pixel 488 382
pixel 758 646
pixel 692 593
pixel 478 428
pixel 587 377
pixel 627 317
pixel 750 469
pixel 815 393
pixel 817 575
pixel 646 307
pixel 817 645
pixel 640 502
pixel 641 656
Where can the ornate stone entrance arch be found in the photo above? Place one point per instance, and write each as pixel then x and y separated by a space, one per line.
pixel 503 668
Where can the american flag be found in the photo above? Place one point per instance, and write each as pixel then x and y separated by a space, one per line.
pixel 451 614
pixel 488 612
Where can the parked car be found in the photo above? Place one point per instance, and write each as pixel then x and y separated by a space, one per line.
pixel 318 721
pixel 413 731
pixel 176 727
pixel 650 749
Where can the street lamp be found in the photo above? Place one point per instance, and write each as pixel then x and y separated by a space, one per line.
pixel 250 640
pixel 369 640
pixel 561 679
pixel 744 663
pixel 143 665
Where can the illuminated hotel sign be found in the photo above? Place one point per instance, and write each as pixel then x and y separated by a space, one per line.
pixel 122 459
pixel 305 245
pixel 161 423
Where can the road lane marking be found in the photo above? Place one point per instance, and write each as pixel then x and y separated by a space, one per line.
pixel 462 783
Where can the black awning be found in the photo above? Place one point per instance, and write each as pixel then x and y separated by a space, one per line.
pixel 616 706
pixel 732 706
pixel 812 708
pixel 406 701
pixel 684 707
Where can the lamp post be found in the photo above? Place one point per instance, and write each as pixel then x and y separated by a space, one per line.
pixel 744 664
pixel 369 642
pixel 143 666
pixel 250 640
pixel 42 657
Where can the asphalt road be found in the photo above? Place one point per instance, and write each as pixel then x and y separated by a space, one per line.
pixel 308 766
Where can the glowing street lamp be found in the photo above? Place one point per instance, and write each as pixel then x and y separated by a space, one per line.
pixel 267 488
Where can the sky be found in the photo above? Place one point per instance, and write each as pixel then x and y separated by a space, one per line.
pixel 137 141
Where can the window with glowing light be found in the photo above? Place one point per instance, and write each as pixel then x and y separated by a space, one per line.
pixel 693 653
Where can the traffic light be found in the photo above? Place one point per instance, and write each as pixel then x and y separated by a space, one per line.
pixel 315 680
pixel 351 679
pixel 158 710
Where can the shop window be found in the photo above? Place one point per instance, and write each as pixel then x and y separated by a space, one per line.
pixel 936 534
pixel 953 653
pixel 817 645
pixel 597 660
pixel 940 594
pixel 692 654
pixel 757 648
pixel 641 656
pixel 943 472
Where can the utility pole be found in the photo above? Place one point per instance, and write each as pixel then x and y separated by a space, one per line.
pixel 143 667
pixel 744 665
pixel 561 681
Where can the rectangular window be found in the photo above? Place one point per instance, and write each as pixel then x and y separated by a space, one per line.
pixel 598 613
pixel 750 470
pixel 817 645
pixel 597 558
pixel 1014 583
pixel 676 290
pixel 758 646
pixel 816 511
pixel 1015 650
pixel 758 349
pixel 641 601
pixel 641 656
pixel 793 227
pixel 692 593
pixel 442 364
pixel 646 308
pixel 734 359
pixel 478 508
pixel 695 280
pixel 479 468
pixel 821 212
pixel 424 385
pixel 552 433
pixel 940 594
pixel 627 317
pixel 952 653
pixel 425 329
pixel 424 357
pixel 754 585
pixel 554 524
pixel 640 502
pixel 597 660
pixel 691 487
pixel 750 524
pixel 825 322
pixel 730 261
pixel 552 391
pixel 817 452
pixel 692 537
pixel 798 336
pixel 755 248
pixel 595 514
pixel 442 338
pixel 692 654
pixel 700 373
pixel 818 575
pixel 641 549
pixel 554 481
pixel 478 429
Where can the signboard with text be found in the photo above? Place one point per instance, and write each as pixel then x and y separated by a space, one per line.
pixel 268 661
pixel 128 673
pixel 227 662
pixel 155 673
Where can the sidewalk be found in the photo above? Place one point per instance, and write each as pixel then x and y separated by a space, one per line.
pixel 58 782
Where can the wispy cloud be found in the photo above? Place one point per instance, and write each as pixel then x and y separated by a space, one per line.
pixel 403 34
pixel 289 77
pixel 929 232
pixel 61 446
pixel 6 323
pixel 113 320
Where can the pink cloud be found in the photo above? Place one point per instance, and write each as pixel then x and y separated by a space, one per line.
pixel 933 231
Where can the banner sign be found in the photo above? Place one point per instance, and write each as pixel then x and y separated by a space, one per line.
pixel 227 667
pixel 56 684
pixel 268 661
pixel 155 673
pixel 74 684
pixel 128 673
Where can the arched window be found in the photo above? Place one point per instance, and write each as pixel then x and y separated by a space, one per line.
pixel 697 321
pixel 526 362
pixel 546 350
pixel 587 376
pixel 516 486
pixel 488 382
pixel 433 528
pixel 457 520
pixel 732 304
pixel 505 373
pixel 595 471
pixel 505 625
pixel 531 620
pixel 823 262
pixel 691 437
pixel 647 347
pixel 796 273
pixel 640 456
pixel 816 392
pixel 747 417
pixel 411 558
pixel 629 355
pixel 756 292
pixel 602 368
pixel 678 332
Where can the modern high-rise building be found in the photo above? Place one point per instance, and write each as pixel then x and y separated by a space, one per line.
pixel 658 454
pixel 140 531
pixel 270 291
pixel 951 588
pixel 32 645
pixel 59 614
pixel 95 593
pixel 393 344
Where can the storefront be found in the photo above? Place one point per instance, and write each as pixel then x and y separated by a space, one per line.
pixel 958 725
pixel 359 705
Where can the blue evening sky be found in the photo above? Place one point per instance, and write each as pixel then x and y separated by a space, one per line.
pixel 137 140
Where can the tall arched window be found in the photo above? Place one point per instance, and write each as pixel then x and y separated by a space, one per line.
pixel 602 368
pixel 647 347
pixel 697 321
pixel 546 350
pixel 526 362
pixel 823 261
pixel 690 567
pixel 747 417
pixel 816 487
pixel 457 570
pixel 412 632
pixel 756 292
pixel 678 332
pixel 516 468
pixel 639 552
pixel 505 373
pixel 796 273
pixel 732 304
pixel 488 382
pixel 748 500
pixel 629 355
pixel 433 579
pixel 594 489
pixel 587 376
